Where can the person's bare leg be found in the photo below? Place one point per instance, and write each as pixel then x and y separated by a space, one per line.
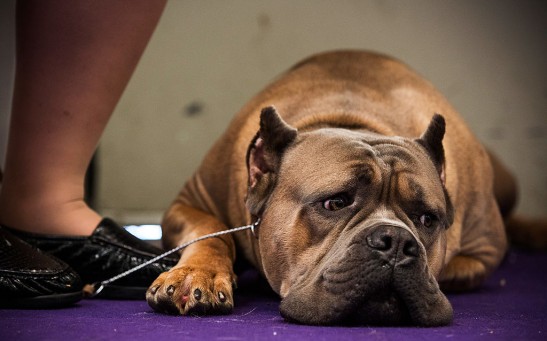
pixel 74 59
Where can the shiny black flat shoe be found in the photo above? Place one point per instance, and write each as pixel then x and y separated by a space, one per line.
pixel 30 279
pixel 109 251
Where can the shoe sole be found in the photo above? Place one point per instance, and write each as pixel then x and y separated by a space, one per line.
pixel 42 302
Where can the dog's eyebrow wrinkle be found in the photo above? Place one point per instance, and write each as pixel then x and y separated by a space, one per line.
pixel 395 152
pixel 331 187
pixel 416 188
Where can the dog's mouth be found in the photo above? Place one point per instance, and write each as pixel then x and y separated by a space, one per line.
pixel 369 288
pixel 383 308
pixel 387 305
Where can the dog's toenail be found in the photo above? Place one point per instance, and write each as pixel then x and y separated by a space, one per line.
pixel 170 290
pixel 197 294
pixel 222 297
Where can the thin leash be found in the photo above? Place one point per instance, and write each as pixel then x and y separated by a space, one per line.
pixel 91 290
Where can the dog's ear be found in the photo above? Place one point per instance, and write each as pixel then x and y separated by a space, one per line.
pixel 264 156
pixel 432 141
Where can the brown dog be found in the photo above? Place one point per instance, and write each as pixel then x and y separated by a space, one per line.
pixel 365 203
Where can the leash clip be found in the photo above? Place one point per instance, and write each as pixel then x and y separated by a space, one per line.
pixel 253 226
pixel 92 290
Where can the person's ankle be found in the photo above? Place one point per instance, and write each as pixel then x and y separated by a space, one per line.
pixel 73 217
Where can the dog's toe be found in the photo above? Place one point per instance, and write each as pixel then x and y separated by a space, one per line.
pixel 159 296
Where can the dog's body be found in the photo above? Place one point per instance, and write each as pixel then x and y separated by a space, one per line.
pixel 362 210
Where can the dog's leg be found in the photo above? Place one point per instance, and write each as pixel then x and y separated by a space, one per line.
pixel 462 273
pixel 201 283
pixel 480 252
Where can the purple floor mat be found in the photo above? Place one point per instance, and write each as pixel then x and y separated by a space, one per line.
pixel 512 305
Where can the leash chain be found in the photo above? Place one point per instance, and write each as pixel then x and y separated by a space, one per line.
pixel 95 291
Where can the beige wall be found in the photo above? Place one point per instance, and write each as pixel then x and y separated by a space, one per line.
pixel 210 57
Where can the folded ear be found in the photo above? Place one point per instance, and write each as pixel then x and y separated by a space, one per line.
pixel 264 157
pixel 432 141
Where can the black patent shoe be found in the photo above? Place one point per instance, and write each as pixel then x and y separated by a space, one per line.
pixel 109 251
pixel 30 279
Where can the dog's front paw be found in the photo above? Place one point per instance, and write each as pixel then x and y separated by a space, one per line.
pixel 462 274
pixel 186 290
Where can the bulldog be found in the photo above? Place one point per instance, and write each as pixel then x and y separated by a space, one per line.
pixel 371 193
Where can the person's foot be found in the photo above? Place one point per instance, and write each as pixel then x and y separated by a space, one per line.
pixel 109 251
pixel 33 280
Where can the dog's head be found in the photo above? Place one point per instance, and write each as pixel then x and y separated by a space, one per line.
pixel 352 223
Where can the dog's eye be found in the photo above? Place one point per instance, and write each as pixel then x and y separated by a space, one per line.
pixel 426 220
pixel 336 203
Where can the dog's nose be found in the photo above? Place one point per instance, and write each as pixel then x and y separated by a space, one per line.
pixel 394 242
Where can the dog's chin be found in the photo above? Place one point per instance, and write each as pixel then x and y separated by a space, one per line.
pixel 389 310
pixel 386 309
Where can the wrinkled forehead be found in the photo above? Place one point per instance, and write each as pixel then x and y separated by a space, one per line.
pixel 336 155
pixel 340 148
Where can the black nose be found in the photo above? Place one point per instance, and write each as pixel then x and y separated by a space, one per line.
pixel 394 242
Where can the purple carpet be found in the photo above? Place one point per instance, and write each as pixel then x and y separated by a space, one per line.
pixel 512 305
